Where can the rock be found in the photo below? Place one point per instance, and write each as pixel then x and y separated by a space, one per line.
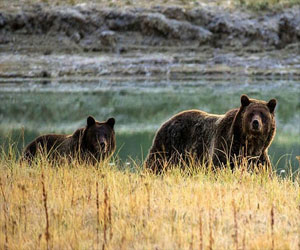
pixel 175 12
pixel 2 20
pixel 93 28
pixel 122 21
pixel 75 37
pixel 108 38
pixel 45 74
pixel 152 24
pixel 289 28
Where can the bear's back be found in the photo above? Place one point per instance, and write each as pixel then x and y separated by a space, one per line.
pixel 45 143
pixel 186 130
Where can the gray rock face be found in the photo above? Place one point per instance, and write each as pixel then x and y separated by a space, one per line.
pixel 158 24
pixel 289 28
pixel 88 25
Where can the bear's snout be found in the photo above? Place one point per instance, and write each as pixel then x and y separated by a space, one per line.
pixel 103 146
pixel 256 123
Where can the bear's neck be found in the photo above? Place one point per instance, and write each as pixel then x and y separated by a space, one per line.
pixel 253 145
pixel 78 140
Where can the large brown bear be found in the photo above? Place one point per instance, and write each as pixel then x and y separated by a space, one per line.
pixel 93 143
pixel 246 131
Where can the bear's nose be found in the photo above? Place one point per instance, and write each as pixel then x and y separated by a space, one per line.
pixel 255 124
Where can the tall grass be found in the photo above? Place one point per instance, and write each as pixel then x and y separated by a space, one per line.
pixel 75 206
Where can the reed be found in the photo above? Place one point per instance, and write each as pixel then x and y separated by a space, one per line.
pixel 211 239
pixel 5 212
pixel 200 231
pixel 97 213
pixel 236 229
pixel 47 233
pixel 272 227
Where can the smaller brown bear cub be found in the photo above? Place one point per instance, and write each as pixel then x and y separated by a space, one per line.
pixel 93 143
pixel 246 131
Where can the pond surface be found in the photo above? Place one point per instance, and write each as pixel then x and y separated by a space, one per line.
pixel 31 108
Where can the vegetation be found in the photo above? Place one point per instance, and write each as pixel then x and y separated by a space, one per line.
pixel 266 4
pixel 110 206
pixel 252 4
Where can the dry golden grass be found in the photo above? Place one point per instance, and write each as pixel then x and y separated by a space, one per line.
pixel 110 208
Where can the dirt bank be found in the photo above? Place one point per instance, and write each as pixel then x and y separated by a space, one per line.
pixel 137 41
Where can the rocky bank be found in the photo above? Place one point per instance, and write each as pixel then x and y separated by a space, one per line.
pixel 46 41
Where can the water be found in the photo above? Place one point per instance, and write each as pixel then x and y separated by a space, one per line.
pixel 32 108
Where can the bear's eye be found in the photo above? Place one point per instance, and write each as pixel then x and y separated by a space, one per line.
pixel 102 135
pixel 262 115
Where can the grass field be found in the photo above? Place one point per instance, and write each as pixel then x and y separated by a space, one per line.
pixel 107 207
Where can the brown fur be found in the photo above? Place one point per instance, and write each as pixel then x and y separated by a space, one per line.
pixel 217 139
pixel 93 143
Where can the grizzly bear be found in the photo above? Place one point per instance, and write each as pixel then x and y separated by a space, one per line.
pixel 93 143
pixel 242 133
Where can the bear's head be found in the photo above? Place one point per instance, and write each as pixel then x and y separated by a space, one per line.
pixel 99 137
pixel 258 119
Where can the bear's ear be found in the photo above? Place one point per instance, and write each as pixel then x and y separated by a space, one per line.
pixel 245 101
pixel 271 105
pixel 90 121
pixel 111 122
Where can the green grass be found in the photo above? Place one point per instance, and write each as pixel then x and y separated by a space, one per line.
pixel 73 206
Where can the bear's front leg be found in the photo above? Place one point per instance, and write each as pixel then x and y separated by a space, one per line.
pixel 264 160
